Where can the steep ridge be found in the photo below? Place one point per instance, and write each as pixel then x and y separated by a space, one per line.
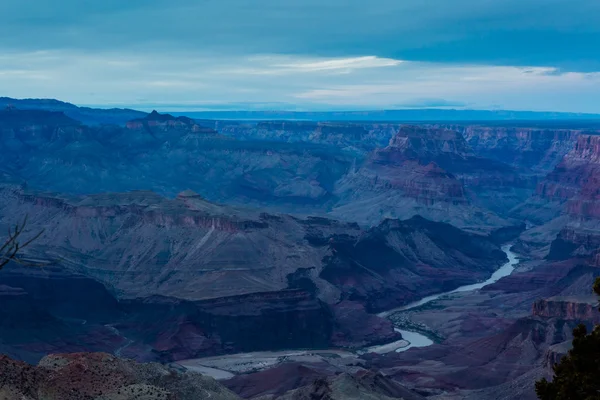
pixel 377 269
pixel 538 150
pixel 222 274
pixel 505 162
pixel 422 171
pixel 166 126
pixel 294 167
pixel 117 241
pixel 56 311
pixel 86 115
pixel 573 308
pixel 167 154
pixel 566 204
pixel 361 137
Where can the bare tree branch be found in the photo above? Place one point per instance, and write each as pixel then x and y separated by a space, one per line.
pixel 12 248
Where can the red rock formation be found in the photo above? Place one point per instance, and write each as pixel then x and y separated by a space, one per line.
pixel 577 172
pixel 568 308
pixel 423 171
pixel 567 200
pixel 531 148
pixel 80 376
pixel 416 143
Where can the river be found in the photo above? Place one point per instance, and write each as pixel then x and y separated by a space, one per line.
pixel 418 340
pixel 223 367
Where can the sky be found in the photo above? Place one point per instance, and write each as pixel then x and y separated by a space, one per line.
pixel 540 55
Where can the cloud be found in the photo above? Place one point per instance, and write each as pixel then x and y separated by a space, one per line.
pixel 182 80
pixel 286 65
pixel 556 33
pixel 344 64
pixel 518 54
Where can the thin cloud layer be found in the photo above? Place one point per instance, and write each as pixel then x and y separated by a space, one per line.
pixel 186 81
pixel 309 53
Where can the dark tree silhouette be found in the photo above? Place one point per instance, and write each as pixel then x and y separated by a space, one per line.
pixel 12 248
pixel 577 375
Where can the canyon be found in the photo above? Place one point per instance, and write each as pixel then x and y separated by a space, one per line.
pixel 303 244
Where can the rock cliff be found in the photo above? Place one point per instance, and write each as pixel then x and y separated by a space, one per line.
pixel 219 275
pixel 565 204
pixel 568 308
pixel 424 171
pixel 536 149
pixel 167 155
pixel 101 376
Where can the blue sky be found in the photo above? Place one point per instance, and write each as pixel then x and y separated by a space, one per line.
pixel 310 54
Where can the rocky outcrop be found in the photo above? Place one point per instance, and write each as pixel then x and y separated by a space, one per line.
pixel 156 125
pixel 167 154
pixel 568 308
pixel 315 381
pixel 102 377
pixel 580 236
pixel 566 203
pixel 142 244
pixel 537 149
pixel 423 144
pixel 577 241
pixel 352 321
pixel 175 330
pixel 86 115
pixel 364 385
pixel 54 311
pixel 423 171
pixel 577 169
pixel 380 268
pixel 219 275
pixel 358 137
pixel 482 368
pixel 555 354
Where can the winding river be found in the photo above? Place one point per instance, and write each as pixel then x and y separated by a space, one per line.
pixel 418 340
pixel 226 366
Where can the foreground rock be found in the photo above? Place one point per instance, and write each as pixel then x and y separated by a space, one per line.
pixel 363 386
pixel 101 376
pixel 304 380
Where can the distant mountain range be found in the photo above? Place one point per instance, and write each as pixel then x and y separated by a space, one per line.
pixel 89 116
pixel 119 116
pixel 412 115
